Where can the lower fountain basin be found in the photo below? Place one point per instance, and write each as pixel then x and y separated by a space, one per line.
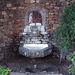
pixel 35 50
pixel 35 46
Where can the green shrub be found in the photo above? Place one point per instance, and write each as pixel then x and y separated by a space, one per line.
pixel 4 71
pixel 72 69
pixel 65 34
pixel 72 56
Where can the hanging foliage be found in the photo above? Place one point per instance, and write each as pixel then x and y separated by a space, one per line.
pixel 65 34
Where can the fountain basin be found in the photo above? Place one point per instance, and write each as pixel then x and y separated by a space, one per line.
pixel 35 46
pixel 35 50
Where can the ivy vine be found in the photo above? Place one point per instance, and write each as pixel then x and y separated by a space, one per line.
pixel 65 34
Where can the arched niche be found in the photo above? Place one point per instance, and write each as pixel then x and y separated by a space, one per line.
pixel 39 11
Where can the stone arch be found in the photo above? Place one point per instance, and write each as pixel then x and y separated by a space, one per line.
pixel 35 9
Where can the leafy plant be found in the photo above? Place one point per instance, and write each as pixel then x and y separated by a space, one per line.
pixel 65 34
pixel 72 56
pixel 4 71
pixel 72 69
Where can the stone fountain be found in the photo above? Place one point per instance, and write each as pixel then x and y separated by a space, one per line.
pixel 35 42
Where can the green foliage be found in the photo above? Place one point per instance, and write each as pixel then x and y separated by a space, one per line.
pixel 72 56
pixel 65 34
pixel 72 69
pixel 4 71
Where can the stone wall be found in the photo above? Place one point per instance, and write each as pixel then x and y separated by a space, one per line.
pixel 12 20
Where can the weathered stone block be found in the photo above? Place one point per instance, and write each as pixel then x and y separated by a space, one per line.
pixel 16 22
pixel 6 16
pixel 14 8
pixel 9 20
pixel 32 1
pixel 0 49
pixel 49 6
pixel 1 16
pixel 67 3
pixel 4 13
pixel 39 37
pixel 49 30
pixel 30 42
pixel 57 8
pixel 44 42
pixel 47 3
pixel 11 15
pixel 1 40
pixel 1 56
pixel 9 5
pixel 62 0
pixel 56 25
pixel 2 20
pixel 38 42
pixel 51 13
pixel 34 37
pixel 51 22
pixel 51 16
pixel 45 37
pixel 21 8
pixel 37 1
pixel 26 4
pixel 53 28
pixel 34 40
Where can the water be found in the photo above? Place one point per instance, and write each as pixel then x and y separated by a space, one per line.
pixel 35 46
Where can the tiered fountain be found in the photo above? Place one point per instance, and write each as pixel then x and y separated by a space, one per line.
pixel 35 39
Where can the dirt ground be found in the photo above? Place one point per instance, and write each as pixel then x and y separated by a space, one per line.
pixel 19 63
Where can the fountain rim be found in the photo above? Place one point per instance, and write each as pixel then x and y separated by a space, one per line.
pixel 26 49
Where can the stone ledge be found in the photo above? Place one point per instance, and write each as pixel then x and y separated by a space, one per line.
pixel 17 73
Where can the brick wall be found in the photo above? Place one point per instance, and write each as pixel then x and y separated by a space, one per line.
pixel 12 19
